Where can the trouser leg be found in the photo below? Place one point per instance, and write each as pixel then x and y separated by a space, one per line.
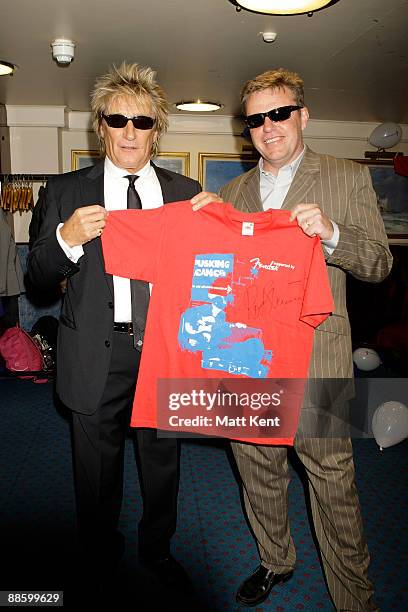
pixel 98 450
pixel 265 474
pixel 337 519
pixel 159 476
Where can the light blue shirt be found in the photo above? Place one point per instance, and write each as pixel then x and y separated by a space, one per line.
pixel 274 188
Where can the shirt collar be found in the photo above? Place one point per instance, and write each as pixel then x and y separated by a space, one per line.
pixel 116 172
pixel 289 168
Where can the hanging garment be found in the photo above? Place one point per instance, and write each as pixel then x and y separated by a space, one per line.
pixel 11 274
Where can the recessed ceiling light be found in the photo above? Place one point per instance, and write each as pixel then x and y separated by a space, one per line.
pixel 198 106
pixel 6 68
pixel 283 7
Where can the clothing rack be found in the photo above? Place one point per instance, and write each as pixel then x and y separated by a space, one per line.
pixel 25 176
pixel 16 191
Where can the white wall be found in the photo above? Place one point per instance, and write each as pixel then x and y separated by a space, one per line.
pixel 30 145
pixel 41 140
pixel 219 134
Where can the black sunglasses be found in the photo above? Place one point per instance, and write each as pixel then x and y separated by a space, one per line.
pixel 276 114
pixel 140 122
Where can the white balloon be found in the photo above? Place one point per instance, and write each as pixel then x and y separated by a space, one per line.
pixel 385 135
pixel 390 424
pixel 366 359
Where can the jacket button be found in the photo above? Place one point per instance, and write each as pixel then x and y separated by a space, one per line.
pixel 110 304
pixel 107 343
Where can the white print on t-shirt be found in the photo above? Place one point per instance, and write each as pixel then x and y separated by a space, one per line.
pixel 273 265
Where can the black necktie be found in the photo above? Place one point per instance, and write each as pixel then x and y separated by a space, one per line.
pixel 133 198
pixel 139 289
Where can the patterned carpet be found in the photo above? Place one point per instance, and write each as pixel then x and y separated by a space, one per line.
pixel 212 541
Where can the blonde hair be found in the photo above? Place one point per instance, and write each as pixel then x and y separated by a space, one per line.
pixel 138 82
pixel 275 79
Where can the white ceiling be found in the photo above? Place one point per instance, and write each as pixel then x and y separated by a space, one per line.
pixel 353 55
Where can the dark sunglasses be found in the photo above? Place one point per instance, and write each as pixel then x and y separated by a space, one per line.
pixel 276 114
pixel 140 122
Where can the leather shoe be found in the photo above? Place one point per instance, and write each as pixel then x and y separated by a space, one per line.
pixel 255 589
pixel 169 572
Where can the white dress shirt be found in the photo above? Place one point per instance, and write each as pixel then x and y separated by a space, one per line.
pixel 115 195
pixel 275 188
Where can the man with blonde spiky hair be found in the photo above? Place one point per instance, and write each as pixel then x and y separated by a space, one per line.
pixel 103 318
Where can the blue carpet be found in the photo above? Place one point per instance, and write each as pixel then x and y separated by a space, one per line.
pixel 213 540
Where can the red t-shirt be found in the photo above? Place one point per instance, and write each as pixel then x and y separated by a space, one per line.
pixel 235 296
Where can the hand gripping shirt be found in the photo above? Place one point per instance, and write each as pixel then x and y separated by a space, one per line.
pixel 235 301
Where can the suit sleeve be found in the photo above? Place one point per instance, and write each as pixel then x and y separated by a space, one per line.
pixel 47 264
pixel 317 299
pixel 362 249
pixel 37 218
pixel 131 242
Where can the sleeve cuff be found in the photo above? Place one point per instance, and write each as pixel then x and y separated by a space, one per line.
pixel 73 253
pixel 330 245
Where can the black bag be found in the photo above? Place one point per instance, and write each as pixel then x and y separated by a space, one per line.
pixel 45 332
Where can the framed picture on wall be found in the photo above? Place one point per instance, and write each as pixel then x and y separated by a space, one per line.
pixel 84 159
pixel 392 198
pixel 176 162
pixel 217 169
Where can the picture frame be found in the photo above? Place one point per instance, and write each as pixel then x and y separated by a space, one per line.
pixel 176 161
pixel 392 198
pixel 83 158
pixel 217 169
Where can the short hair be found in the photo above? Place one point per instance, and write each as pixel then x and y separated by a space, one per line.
pixel 138 82
pixel 275 79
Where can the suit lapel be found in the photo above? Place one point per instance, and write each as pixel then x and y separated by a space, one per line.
pixel 91 185
pixel 92 192
pixel 303 180
pixel 250 192
pixel 170 191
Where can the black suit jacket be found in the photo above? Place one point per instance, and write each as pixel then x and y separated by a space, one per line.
pixel 86 321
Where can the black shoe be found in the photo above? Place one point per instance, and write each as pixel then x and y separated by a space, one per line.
pixel 255 589
pixel 103 556
pixel 169 572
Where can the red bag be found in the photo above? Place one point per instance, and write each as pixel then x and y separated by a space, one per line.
pixel 21 353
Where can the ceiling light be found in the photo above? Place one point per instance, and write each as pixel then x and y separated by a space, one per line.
pixel 198 106
pixel 6 68
pixel 283 7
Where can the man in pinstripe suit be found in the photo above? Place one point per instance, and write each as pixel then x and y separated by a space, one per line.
pixel 333 199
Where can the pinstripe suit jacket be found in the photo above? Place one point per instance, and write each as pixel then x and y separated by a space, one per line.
pixel 344 192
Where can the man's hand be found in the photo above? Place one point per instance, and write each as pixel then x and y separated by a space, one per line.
pixel 203 198
pixel 312 221
pixel 84 225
